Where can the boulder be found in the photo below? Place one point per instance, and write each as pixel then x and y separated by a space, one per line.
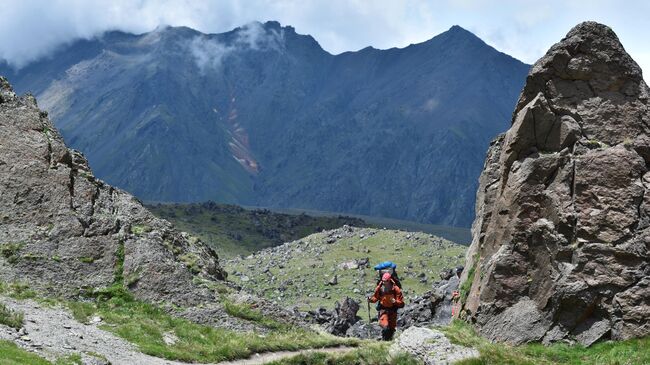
pixel 430 346
pixel 431 308
pixel 560 243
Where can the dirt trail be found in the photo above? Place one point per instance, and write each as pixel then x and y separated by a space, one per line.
pixel 259 359
pixel 52 332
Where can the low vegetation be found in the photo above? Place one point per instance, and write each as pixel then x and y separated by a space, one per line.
pixel 630 352
pixel 244 311
pixel 10 251
pixel 232 230
pixel 14 355
pixel 145 325
pixel 10 354
pixel 17 290
pixel 10 318
pixel 300 275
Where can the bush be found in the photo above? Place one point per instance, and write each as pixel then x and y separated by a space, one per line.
pixel 10 318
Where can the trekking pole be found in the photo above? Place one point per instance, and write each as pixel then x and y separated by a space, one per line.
pixel 369 320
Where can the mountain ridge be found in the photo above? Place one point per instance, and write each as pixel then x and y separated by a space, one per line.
pixel 269 118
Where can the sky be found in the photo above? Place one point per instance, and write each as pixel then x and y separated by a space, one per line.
pixel 525 29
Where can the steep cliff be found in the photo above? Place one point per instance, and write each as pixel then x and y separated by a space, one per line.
pixel 561 238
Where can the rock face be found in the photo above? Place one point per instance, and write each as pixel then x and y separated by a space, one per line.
pixel 431 308
pixel 561 238
pixel 64 232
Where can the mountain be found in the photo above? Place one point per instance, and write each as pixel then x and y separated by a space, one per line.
pixel 561 239
pixel 263 116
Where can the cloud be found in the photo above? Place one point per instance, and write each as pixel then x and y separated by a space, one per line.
pixel 209 52
pixel 523 28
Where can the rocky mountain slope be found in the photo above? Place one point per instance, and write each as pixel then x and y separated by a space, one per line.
pixel 66 234
pixel 324 268
pixel 561 240
pixel 63 230
pixel 264 116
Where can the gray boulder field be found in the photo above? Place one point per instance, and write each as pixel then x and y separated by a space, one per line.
pixel 561 239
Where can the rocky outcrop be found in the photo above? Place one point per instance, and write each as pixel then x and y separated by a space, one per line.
pixel 561 239
pixel 64 232
pixel 338 321
pixel 433 307
pixel 431 347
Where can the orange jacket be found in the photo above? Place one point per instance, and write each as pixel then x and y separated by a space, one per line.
pixel 388 299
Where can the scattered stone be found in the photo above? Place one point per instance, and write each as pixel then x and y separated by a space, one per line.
pixel 334 280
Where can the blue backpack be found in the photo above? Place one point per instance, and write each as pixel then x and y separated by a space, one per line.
pixel 388 267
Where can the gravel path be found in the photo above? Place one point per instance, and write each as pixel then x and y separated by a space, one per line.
pixel 52 332
pixel 259 359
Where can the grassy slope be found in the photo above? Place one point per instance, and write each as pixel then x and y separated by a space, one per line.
pixel 309 283
pixel 630 352
pixel 144 325
pixel 232 230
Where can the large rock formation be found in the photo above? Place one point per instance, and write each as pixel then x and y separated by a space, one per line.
pixel 64 232
pixel 561 239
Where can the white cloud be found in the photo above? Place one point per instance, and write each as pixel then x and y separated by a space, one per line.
pixel 523 28
pixel 210 52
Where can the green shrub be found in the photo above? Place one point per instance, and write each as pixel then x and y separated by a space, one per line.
pixel 140 229
pixel 10 318
pixel 82 311
pixel 10 251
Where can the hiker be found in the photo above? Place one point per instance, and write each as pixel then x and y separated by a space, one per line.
pixel 389 296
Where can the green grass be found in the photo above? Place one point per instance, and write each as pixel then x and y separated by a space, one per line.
pixel 308 273
pixel 467 284
pixel 17 290
pixel 372 354
pixel 10 318
pixel 74 359
pixel 82 311
pixel 11 250
pixel 10 354
pixel 87 260
pixel 144 325
pixel 630 352
pixel 232 230
pixel 140 229
pixel 244 311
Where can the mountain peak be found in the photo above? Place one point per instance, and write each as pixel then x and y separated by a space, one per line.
pixel 590 52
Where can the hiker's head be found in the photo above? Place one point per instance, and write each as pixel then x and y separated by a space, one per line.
pixel 387 280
